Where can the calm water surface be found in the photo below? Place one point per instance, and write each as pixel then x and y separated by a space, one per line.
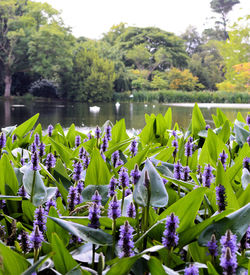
pixel 17 111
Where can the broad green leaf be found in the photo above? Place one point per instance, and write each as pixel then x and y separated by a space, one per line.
pixel 225 132
pixel 118 133
pixel 97 173
pixel 137 159
pixel 64 152
pixel 119 146
pixel 155 267
pixel 13 263
pixel 245 179
pixel 160 128
pixel 159 195
pixel 71 134
pixel 168 118
pixel 240 133
pixel 7 176
pixel 95 236
pixel 165 154
pixel 28 209
pixel 25 127
pixel 62 259
pixel 32 269
pixel 89 191
pixel 198 121
pixel 211 270
pixel 237 222
pixel 147 135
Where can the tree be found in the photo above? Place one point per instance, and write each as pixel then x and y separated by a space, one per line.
pixel 192 39
pixel 223 7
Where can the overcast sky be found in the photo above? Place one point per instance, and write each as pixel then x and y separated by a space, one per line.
pixel 92 18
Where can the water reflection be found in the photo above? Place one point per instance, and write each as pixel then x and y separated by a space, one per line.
pixel 17 111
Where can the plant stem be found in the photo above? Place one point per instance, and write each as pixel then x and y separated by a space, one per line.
pixel 33 186
pixel 93 256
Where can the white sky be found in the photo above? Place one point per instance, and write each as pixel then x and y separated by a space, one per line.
pixel 92 18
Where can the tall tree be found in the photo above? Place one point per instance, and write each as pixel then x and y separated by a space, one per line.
pixel 223 7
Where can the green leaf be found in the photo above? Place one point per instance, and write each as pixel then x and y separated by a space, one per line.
pixel 240 133
pixel 71 134
pixel 64 152
pixel 25 127
pixel 10 198
pixel 211 270
pixel 147 135
pixel 7 176
pixel 12 262
pixel 155 267
pixel 198 121
pixel 62 259
pixel 95 236
pixel 34 267
pixel 118 133
pixel 97 172
pixel 137 159
pixel 159 195
pixel 225 132
pixel 28 209
pixel 168 118
pixel 89 191
pixel 165 154
pixel 237 222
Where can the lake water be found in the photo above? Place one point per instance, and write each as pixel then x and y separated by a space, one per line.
pixel 17 111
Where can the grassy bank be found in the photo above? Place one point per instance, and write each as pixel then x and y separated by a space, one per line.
pixel 170 96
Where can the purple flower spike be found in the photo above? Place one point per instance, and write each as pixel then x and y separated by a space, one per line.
pixel 212 246
pixel 221 197
pixel 36 238
pixel 58 194
pixel 97 198
pixel 248 140
pixel 104 145
pixel 178 170
pixel 174 134
pixel 128 192
pixel 114 158
pixel 191 270
pixel 72 198
pixel 35 162
pixel 24 241
pixel 248 120
pixel 185 175
pixel 22 193
pixel 208 127
pixel 41 150
pixel 133 148
pixel 22 161
pixel 78 169
pixel 82 153
pixel 33 148
pixel 246 163
pixel 97 132
pixel 135 174
pixel 94 216
pixel 40 219
pixel 50 130
pixel 114 210
pixel 2 140
pixel 14 138
pixel 108 132
pixel 49 204
pixel 123 177
pixel 125 242
pixel 50 161
pixel 112 187
pixel 175 145
pixel 223 158
pixel 77 141
pixel 228 262
pixel 37 139
pixel 170 237
pixel 207 176
pixel 188 149
pixel 229 240
pixel 80 187
pixel 131 211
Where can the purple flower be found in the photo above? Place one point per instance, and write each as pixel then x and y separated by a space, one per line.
pixel 97 198
pixel 185 175
pixel 248 140
pixel 2 204
pixel 128 192
pixel 175 145
pixel 33 148
pixel 123 177
pixel 82 153
pixel 174 134
pixel 22 161
pixel 35 162
pixel 97 132
pixel 37 139
pixel 108 132
pixel 77 173
pixel 89 136
pixel 164 181
pixel 248 238
pixel 221 197
pixel 50 129
pixel 228 262
pixel 36 238
pixel 80 187
pixel 86 161
pixel 41 150
pixel 74 239
pixel 170 237
pixel 112 187
pixel 49 204
pixel 228 240
pixel 207 176
pixel 178 170
pixel 24 241
pixel 223 158
pixel 208 127
pixel 114 210
pixel 135 174
pixel 191 270
pixel 246 162
pixel 188 149
pixel 58 194
pixel 40 219
pixel 125 242
pixel 103 156
pixel 248 120
pixel 94 216
pixel 72 198
pixel 2 140
pixel 14 138
pixel 50 161
pixel 212 246
pixel 133 148
pixel 77 141
pixel 104 145
pixel 146 180
pixel 131 211
pixel 22 193
pixel 115 157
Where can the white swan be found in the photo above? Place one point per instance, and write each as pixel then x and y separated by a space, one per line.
pixel 94 109
pixel 117 105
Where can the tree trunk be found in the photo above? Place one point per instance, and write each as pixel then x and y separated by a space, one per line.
pixel 7 82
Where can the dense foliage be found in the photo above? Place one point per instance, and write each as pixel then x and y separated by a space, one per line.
pixel 164 200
